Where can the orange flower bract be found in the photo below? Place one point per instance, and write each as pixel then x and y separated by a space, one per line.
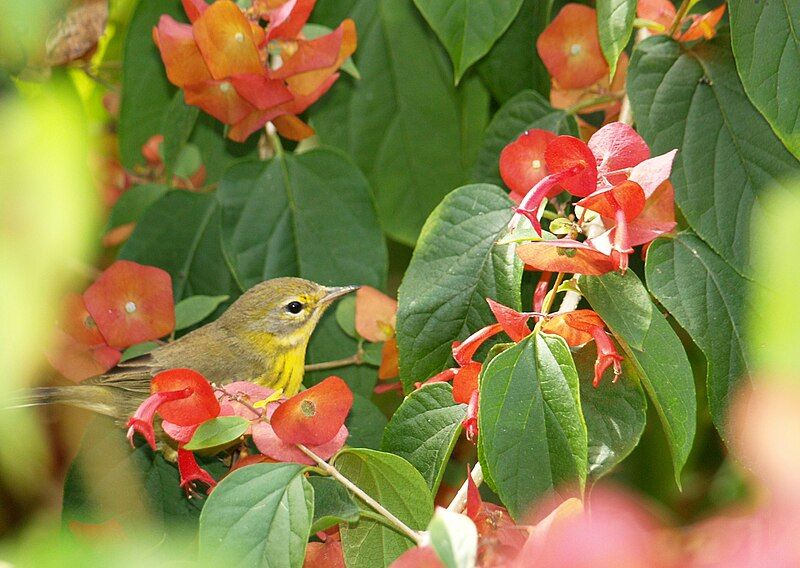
pixel 570 48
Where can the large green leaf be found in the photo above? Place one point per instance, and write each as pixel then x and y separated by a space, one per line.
pixel 146 92
pixel 365 423
pixel 656 354
pixel 180 233
pixel 132 204
pixel 333 504
pixel 194 309
pixel 615 413
pixel 425 429
pixel 513 64
pixel 532 433
pixel 693 100
pixel 177 127
pixel 406 126
pixel 709 299
pixel 259 515
pixel 615 25
pixel 455 267
pixel 468 28
pixel 309 215
pixel 395 484
pixel 152 497
pixel 525 111
pixel 767 49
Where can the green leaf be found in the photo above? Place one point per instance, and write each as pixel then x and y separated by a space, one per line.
pixel 107 480
pixel 177 126
pixel 396 485
pixel 513 64
pixel 139 349
pixel 346 315
pixel 767 49
pixel 365 423
pixel 146 92
pixel 308 215
pixel 333 504
pixel 525 111
pixel 132 204
pixel 194 309
pixel 424 430
pixel 614 25
pixel 455 267
pixel 466 28
pixel 188 161
pixel 532 433
pixel 259 515
pixel 615 413
pixel 407 127
pixel 709 299
pixel 180 234
pixel 454 537
pixel 657 355
pixel 217 432
pixel 693 100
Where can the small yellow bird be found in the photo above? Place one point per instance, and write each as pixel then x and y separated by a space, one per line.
pixel 261 338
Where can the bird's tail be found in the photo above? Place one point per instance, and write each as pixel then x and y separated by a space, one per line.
pixel 91 397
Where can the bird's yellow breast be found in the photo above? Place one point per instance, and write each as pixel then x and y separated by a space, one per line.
pixel 284 359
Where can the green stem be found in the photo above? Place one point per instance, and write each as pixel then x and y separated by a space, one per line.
pixel 274 139
pixel 684 8
pixel 602 99
pixel 333 472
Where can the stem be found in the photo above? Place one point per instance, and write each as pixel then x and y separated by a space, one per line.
pixel 275 140
pixel 240 400
pixel 335 364
pixel 684 8
pixel 577 107
pixel 459 502
pixel 333 472
pixel 548 301
pixel 625 111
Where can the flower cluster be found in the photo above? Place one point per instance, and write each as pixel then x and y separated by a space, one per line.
pixel 245 75
pixel 626 197
pixel 128 303
pixel 659 16
pixel 185 400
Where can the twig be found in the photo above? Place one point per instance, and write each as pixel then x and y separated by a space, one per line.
pixel 333 472
pixel 335 364
pixel 238 398
pixel 459 502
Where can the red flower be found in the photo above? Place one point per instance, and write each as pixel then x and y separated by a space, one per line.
pixel 314 416
pixel 375 314
pixel 131 303
pixel 181 396
pixel 570 154
pixel 570 48
pixel 190 471
pixel 465 381
pixel 580 327
pixel 514 323
pixel 464 351
pixel 222 63
pixel 470 423
pixel 522 163
pixel 660 12
pixel 78 361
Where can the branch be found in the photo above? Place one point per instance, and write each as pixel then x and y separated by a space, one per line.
pixel 333 472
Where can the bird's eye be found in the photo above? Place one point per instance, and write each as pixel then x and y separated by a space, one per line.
pixel 294 307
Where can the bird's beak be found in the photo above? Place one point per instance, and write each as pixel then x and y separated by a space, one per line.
pixel 337 292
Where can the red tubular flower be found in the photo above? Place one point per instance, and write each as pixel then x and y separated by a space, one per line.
pixel 540 292
pixel 580 327
pixel 470 423
pixel 464 351
pixel 570 48
pixel 190 471
pixel 606 355
pixel 514 323
pixel 547 186
pixel 465 382
pixel 522 163
pixel 704 26
pixel 623 203
pixel 314 416
pixel 181 396
pixel 565 255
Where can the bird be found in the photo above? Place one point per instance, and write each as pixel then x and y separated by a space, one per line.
pixel 261 338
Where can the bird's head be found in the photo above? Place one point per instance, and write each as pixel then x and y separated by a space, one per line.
pixel 286 308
